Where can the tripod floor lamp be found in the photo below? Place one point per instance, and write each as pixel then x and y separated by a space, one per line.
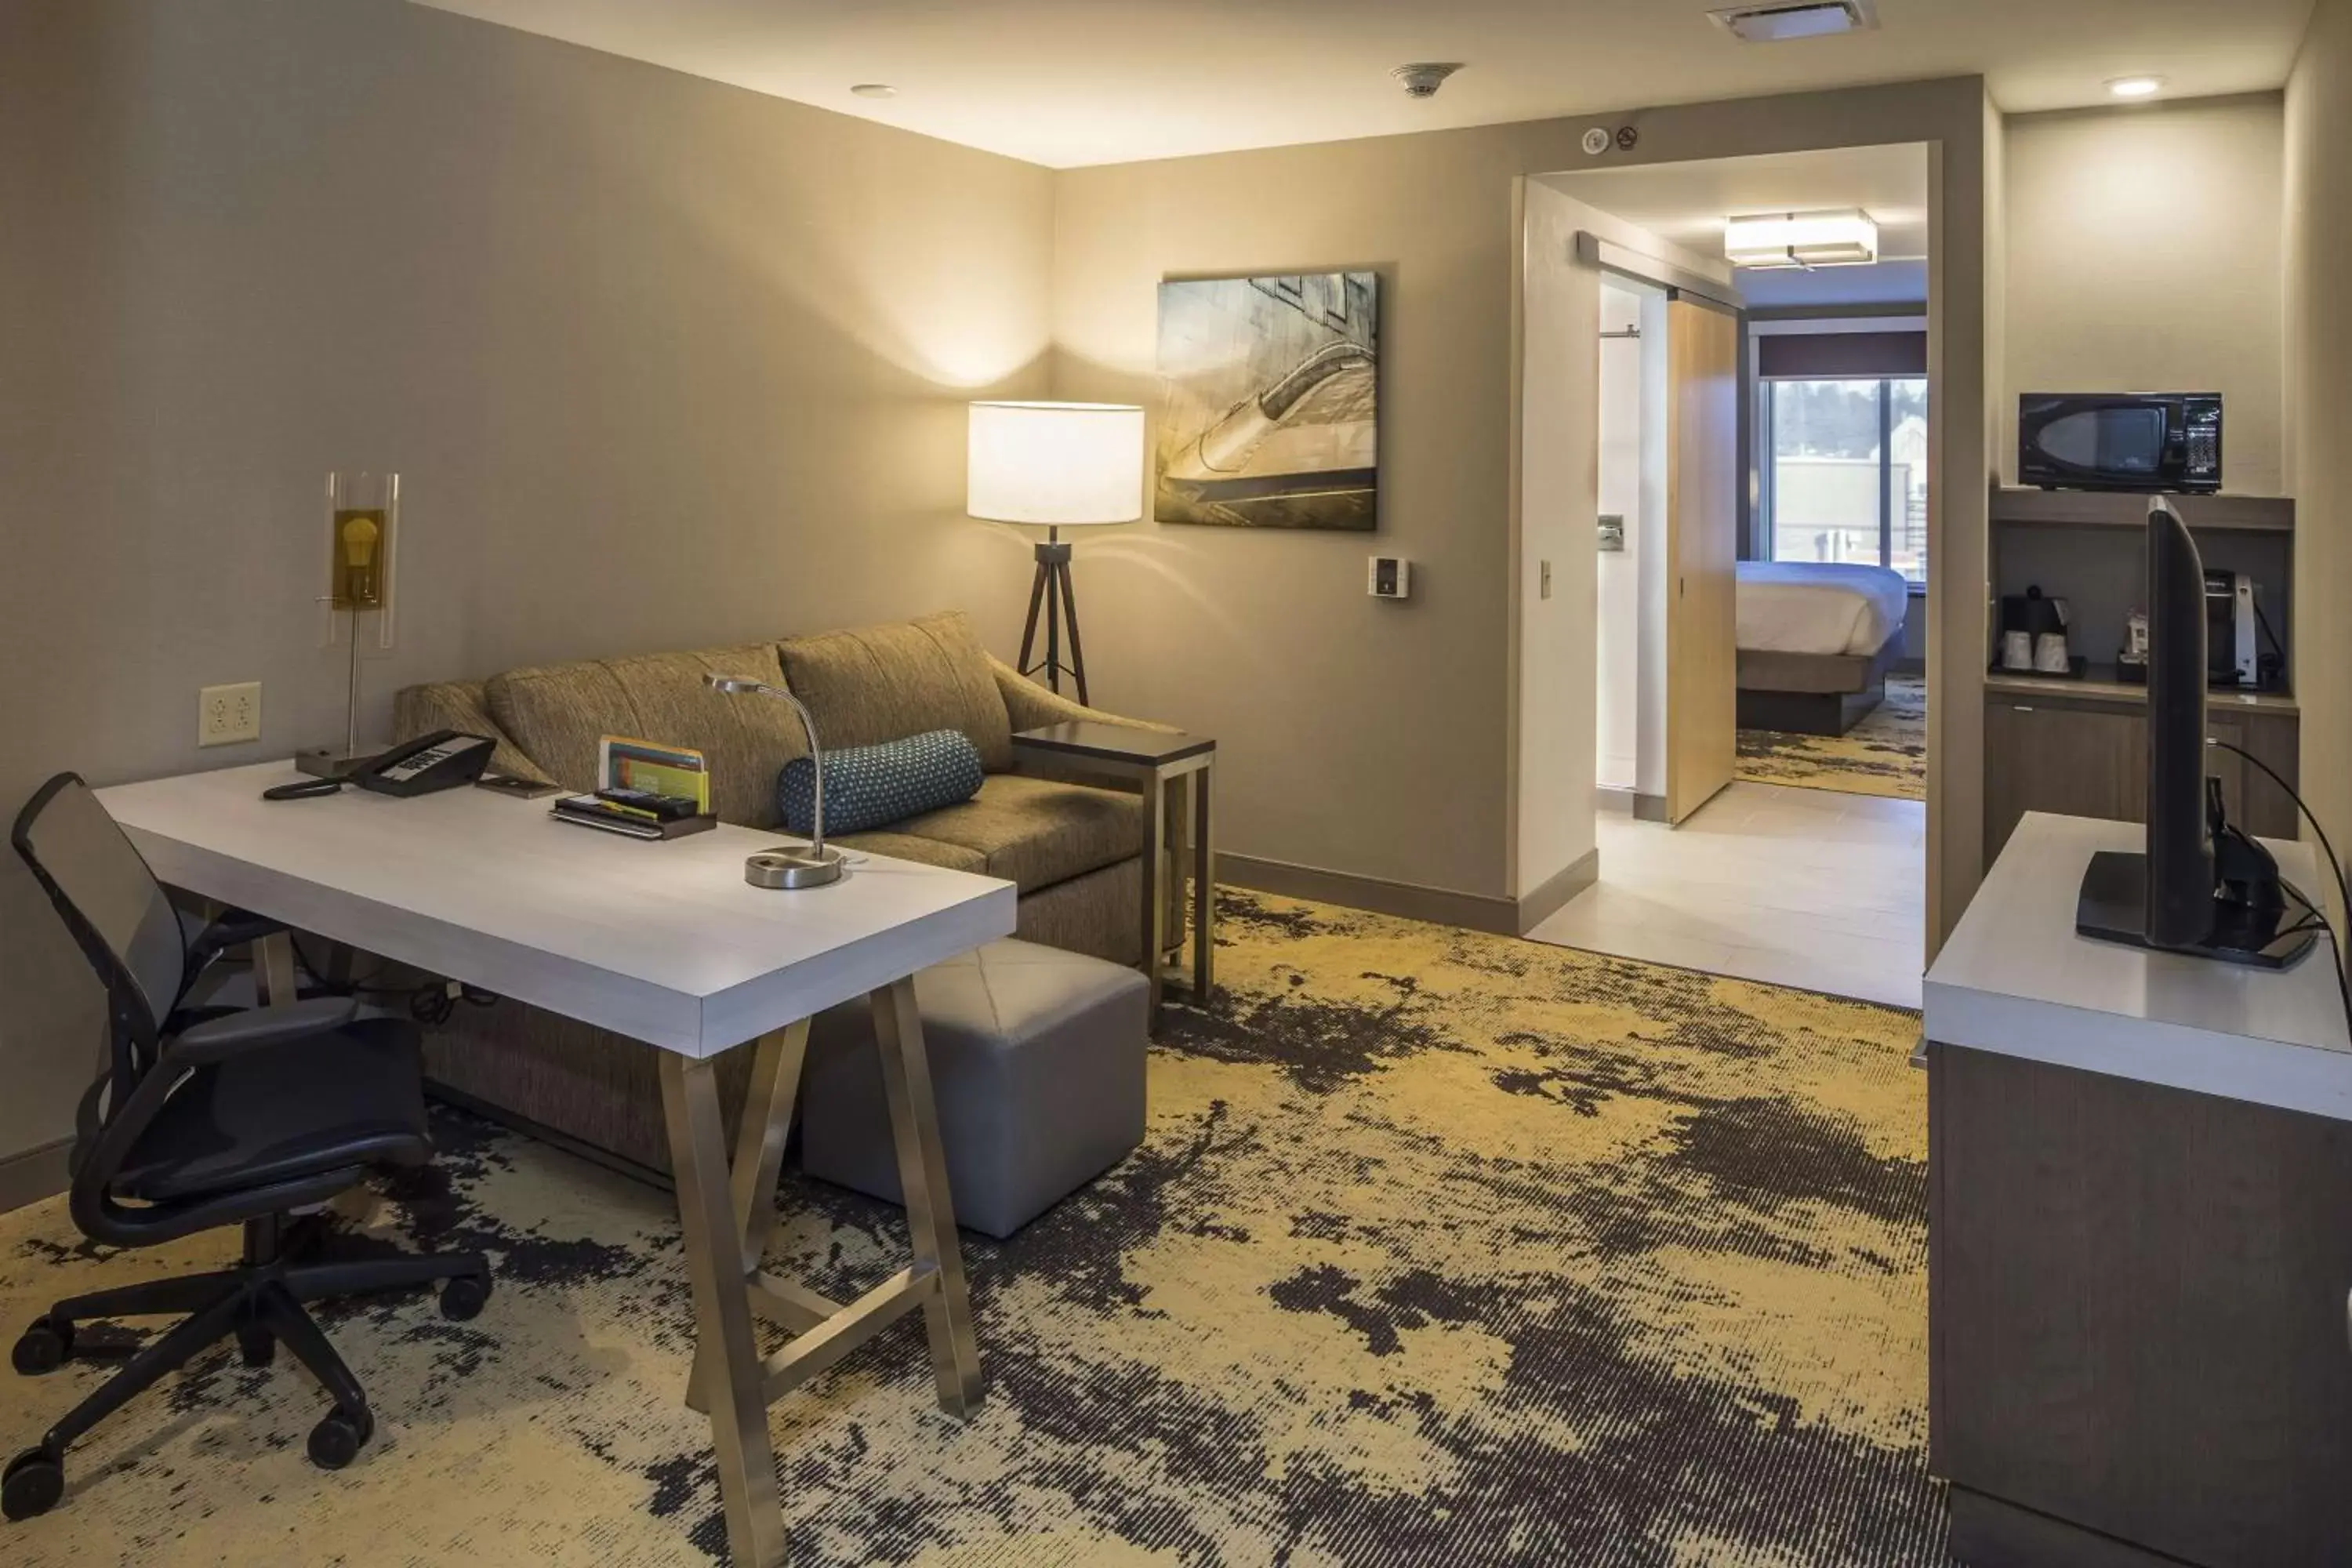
pixel 1063 465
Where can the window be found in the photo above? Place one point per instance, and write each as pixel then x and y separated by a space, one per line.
pixel 1847 476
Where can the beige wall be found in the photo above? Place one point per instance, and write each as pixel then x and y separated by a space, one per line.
pixel 1380 740
pixel 661 361
pixel 2319 402
pixel 2143 255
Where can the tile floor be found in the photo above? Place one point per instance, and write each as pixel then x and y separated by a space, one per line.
pixel 1797 887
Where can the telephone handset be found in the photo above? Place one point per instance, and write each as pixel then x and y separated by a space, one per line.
pixel 443 760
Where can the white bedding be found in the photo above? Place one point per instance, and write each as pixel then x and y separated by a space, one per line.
pixel 1805 606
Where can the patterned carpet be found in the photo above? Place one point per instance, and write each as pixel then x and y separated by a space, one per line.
pixel 1443 1249
pixel 1885 753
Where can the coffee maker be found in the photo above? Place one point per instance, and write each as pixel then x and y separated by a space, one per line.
pixel 2232 657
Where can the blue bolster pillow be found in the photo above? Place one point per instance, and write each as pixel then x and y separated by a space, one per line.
pixel 873 786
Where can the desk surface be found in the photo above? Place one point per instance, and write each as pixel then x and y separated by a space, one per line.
pixel 2016 979
pixel 662 942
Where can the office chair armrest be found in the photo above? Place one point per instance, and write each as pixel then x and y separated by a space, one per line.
pixel 214 1038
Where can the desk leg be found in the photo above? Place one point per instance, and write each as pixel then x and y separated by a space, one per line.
pixel 1204 884
pixel 923 1180
pixel 273 969
pixel 759 1157
pixel 738 1397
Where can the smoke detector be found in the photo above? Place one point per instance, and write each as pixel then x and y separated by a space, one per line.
pixel 1793 19
pixel 1423 78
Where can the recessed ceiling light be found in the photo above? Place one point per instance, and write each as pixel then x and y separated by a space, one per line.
pixel 2135 86
pixel 875 90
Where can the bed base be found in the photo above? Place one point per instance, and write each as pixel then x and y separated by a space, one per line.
pixel 1829 713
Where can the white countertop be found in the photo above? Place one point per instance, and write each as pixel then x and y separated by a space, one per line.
pixel 2016 979
pixel 662 941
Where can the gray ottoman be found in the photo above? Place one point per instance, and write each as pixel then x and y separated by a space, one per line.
pixel 1036 1067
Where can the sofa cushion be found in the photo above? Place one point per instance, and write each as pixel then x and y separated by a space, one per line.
pixel 885 683
pixel 1037 832
pixel 907 846
pixel 872 786
pixel 559 712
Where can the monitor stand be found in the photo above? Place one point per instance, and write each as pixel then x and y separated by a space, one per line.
pixel 2113 907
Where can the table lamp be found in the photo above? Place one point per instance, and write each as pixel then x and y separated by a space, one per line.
pixel 1063 465
pixel 793 867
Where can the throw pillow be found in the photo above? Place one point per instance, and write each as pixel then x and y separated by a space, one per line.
pixel 872 786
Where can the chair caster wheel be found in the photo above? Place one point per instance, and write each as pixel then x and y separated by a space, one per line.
pixel 43 1347
pixel 257 1347
pixel 465 1297
pixel 35 1479
pixel 337 1438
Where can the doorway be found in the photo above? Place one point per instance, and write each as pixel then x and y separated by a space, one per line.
pixel 1764 817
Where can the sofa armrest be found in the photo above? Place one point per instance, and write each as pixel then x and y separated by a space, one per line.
pixel 1031 706
pixel 458 705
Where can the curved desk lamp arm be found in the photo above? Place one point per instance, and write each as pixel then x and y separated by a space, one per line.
pixel 733 685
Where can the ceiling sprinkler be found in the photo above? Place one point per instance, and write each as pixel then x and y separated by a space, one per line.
pixel 1423 78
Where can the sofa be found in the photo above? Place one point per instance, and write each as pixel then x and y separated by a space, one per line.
pixel 1073 849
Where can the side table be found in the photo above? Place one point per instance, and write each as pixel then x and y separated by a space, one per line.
pixel 1166 766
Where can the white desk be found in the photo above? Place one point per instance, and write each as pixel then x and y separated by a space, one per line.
pixel 2016 979
pixel 665 942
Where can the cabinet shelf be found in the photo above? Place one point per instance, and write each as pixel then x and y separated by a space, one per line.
pixel 2099 684
pixel 2023 506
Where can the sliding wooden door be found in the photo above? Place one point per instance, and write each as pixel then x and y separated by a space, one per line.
pixel 1702 546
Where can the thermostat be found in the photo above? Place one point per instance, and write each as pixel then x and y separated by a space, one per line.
pixel 1390 578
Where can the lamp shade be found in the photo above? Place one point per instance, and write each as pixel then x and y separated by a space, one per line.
pixel 1057 463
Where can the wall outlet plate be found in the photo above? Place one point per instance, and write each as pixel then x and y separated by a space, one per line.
pixel 227 714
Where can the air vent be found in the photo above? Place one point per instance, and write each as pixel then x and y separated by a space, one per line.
pixel 1801 19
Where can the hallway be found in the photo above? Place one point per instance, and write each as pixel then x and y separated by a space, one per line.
pixel 1795 887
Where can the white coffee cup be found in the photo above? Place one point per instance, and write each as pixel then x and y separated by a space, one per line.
pixel 2049 654
pixel 2017 651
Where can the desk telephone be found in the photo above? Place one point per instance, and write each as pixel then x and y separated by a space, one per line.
pixel 443 760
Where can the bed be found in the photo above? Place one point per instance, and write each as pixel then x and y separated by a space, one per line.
pixel 1815 640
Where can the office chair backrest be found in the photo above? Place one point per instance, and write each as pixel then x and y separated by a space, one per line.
pixel 113 904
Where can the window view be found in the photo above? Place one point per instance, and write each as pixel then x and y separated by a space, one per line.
pixel 1848 479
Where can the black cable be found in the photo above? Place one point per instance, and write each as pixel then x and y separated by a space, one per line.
pixel 2333 863
pixel 2335 944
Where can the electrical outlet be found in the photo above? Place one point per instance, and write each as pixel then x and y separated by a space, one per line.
pixel 227 714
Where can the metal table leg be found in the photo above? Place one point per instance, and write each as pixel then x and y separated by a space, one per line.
pixel 1204 884
pixel 1154 910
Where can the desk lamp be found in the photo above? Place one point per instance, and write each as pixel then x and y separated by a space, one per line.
pixel 794 866
pixel 1059 464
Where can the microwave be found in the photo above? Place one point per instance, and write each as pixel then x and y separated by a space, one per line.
pixel 2120 441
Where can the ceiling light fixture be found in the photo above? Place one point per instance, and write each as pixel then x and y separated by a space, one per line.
pixel 2135 86
pixel 874 90
pixel 1847 237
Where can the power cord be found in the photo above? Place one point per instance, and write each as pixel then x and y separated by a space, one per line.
pixel 2335 866
pixel 431 1004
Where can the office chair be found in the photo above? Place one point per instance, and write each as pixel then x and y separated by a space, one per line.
pixel 206 1117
